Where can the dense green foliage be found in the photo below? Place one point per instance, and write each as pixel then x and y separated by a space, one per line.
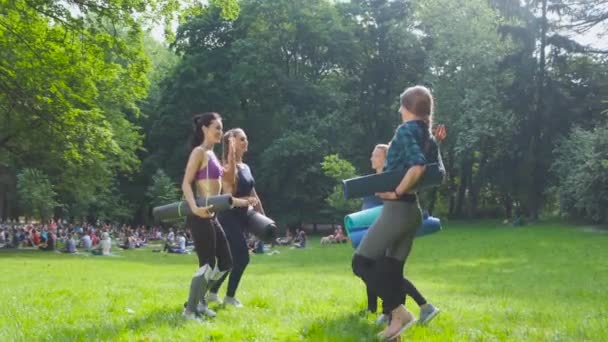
pixel 491 282
pixel 91 100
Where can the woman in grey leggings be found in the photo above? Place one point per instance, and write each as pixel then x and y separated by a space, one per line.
pixel 427 310
pixel 380 257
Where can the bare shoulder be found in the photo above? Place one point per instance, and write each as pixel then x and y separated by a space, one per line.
pixel 198 153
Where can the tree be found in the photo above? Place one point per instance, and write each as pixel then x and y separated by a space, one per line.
pixel 162 190
pixel 581 168
pixel 584 15
pixel 36 194
pixel 465 48
pixel 339 169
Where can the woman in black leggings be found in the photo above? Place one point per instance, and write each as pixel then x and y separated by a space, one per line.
pixel 239 181
pixel 205 171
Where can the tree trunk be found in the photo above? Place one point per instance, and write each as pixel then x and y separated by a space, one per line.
pixel 508 204
pixel 537 176
pixel 465 178
pixel 476 183
pixel 451 182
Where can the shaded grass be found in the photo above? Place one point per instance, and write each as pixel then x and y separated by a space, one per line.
pixel 546 282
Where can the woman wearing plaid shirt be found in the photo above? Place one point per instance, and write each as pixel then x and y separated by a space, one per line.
pixel 380 257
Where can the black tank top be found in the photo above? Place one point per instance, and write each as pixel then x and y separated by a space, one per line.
pixel 244 181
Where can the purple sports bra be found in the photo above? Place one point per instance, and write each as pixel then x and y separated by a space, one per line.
pixel 213 170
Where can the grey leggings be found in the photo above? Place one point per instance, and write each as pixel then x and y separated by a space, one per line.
pixel 380 257
pixel 393 232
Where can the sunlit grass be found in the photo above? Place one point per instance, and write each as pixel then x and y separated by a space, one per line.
pixel 492 282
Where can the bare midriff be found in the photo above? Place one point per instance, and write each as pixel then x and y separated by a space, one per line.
pixel 208 187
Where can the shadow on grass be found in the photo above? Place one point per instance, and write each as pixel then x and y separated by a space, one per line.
pixel 167 316
pixel 352 327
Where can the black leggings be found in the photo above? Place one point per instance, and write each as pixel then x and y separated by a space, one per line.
pixel 210 242
pixel 410 289
pixel 233 221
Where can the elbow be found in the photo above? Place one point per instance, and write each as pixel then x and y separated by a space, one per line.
pixel 185 186
pixel 419 168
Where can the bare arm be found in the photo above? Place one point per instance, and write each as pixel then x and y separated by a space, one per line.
pixel 258 204
pixel 409 181
pixel 411 178
pixel 229 177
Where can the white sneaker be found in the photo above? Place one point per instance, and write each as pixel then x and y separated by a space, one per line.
pixel 204 310
pixel 191 316
pixel 232 301
pixel 213 298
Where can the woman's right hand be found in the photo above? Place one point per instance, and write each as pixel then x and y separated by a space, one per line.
pixel 232 144
pixel 203 212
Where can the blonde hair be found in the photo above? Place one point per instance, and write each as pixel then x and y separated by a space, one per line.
pixel 382 147
pixel 225 150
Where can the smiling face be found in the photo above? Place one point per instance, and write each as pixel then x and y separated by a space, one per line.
pixel 241 143
pixel 213 132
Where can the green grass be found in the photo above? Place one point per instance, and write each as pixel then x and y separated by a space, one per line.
pixel 492 282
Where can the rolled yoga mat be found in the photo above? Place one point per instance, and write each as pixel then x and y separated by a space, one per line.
pixel 363 218
pixel 429 226
pixel 263 227
pixel 387 181
pixel 181 209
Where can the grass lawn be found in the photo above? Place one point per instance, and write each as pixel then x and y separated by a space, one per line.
pixel 547 282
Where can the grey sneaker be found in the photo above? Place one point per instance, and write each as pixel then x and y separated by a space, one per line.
pixel 232 301
pixel 383 319
pixel 191 316
pixel 428 313
pixel 204 310
pixel 213 298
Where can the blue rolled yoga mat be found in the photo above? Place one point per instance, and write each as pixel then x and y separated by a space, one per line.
pixel 387 181
pixel 429 225
pixel 363 218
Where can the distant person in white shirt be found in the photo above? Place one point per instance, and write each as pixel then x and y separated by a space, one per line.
pixel 105 245
pixel 181 245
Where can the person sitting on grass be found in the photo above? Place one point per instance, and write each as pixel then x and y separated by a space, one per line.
pixel 70 245
pixel 105 245
pixel 49 243
pixel 300 240
pixel 336 237
pixel 85 241
pixel 129 242
pixel 285 240
pixel 181 245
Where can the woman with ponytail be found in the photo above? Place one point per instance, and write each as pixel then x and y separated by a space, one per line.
pixel 381 255
pixel 239 181
pixel 204 171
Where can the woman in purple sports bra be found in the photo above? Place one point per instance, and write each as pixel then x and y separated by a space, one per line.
pixel 205 171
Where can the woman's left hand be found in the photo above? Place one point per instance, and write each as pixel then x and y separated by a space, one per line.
pixel 440 133
pixel 387 195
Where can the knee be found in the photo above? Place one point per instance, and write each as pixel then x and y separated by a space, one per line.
pixel 390 268
pixel 246 260
pixel 241 261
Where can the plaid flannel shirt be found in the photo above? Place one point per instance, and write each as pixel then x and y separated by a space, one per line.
pixel 407 147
